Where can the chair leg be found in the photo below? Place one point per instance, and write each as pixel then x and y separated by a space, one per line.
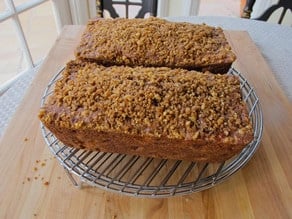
pixel 108 5
pixel 265 16
pixel 282 15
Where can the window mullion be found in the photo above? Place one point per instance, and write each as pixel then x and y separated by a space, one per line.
pixel 21 8
pixel 20 34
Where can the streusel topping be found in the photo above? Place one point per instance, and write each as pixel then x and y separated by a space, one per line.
pixel 174 103
pixel 154 42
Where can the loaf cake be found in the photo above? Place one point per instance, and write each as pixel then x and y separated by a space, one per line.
pixel 154 112
pixel 155 42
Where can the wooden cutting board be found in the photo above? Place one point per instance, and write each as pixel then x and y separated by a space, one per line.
pixel 33 184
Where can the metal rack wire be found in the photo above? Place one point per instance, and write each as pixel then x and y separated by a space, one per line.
pixel 149 177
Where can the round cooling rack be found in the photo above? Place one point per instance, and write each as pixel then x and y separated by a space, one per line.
pixel 149 177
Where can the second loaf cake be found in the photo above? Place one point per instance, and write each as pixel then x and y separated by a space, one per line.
pixel 156 42
pixel 154 112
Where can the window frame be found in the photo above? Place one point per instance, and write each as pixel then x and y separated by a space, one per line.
pixel 61 10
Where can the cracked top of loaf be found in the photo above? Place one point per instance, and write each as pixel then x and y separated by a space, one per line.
pixel 155 42
pixel 155 102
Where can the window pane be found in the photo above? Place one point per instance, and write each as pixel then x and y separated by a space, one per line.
pixel 121 10
pixel 2 6
pixel 133 10
pixel 275 17
pixel 11 57
pixel 40 29
pixel 19 2
pixel 137 1
pixel 287 18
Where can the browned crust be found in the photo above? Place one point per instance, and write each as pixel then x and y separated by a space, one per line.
pixel 156 42
pixel 162 147
pixel 77 127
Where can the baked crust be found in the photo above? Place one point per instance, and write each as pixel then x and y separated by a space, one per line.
pixel 154 112
pixel 156 42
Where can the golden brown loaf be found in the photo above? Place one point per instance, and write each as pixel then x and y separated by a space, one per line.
pixel 156 42
pixel 156 112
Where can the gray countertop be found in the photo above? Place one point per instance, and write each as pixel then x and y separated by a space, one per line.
pixel 274 41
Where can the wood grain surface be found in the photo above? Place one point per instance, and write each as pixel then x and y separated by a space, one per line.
pixel 34 185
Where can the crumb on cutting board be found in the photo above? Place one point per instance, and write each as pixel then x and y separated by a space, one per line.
pixel 37 176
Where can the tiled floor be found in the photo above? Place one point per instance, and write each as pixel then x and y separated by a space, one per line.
pixel 219 8
pixel 40 30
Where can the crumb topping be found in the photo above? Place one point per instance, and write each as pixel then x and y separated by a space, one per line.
pixel 154 42
pixel 174 103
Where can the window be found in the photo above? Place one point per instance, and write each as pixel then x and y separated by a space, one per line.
pixel 27 31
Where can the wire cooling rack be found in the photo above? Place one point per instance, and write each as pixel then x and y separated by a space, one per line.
pixel 149 177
